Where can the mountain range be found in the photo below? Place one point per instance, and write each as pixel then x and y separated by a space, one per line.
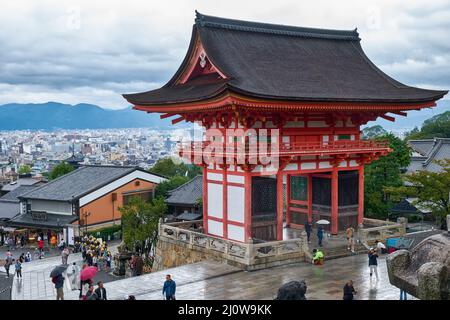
pixel 54 115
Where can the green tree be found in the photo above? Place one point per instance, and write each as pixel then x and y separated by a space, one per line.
pixel 432 189
pixel 168 168
pixel 162 189
pixel 382 173
pixel 60 170
pixel 25 169
pixel 140 223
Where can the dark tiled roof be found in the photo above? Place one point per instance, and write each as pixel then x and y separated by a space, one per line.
pixel 17 192
pixel 20 182
pixel 78 183
pixel 188 193
pixel 285 62
pixel 9 209
pixel 189 216
pixel 436 149
pixel 53 221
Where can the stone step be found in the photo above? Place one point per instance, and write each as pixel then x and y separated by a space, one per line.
pixel 339 252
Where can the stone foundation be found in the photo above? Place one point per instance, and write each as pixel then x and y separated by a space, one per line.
pixel 172 251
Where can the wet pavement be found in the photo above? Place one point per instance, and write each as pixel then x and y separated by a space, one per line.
pixel 210 280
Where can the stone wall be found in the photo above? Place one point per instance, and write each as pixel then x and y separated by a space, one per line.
pixel 170 253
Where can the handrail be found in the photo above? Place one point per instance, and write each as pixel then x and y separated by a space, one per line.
pixel 285 147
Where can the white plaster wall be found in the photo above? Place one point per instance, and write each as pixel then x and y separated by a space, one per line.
pixel 353 163
pixel 215 228
pixel 215 200
pixel 324 164
pixel 235 179
pixel 308 165
pixel 236 233
pixel 215 176
pixel 343 164
pixel 59 207
pixel 291 166
pixel 236 203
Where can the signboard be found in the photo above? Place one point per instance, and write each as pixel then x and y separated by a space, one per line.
pixel 70 236
pixel 41 216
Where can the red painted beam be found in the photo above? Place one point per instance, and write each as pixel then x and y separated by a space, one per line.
pixel 167 115
pixel 389 118
pixel 400 113
pixel 175 121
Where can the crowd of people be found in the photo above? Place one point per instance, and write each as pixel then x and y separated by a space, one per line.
pixel 95 252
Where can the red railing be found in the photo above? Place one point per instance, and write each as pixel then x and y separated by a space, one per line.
pixel 288 148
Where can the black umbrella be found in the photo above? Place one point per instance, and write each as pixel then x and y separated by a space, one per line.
pixel 58 270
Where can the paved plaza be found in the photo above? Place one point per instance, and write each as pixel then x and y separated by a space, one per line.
pixel 213 281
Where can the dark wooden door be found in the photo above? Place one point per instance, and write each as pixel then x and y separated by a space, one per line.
pixel 264 208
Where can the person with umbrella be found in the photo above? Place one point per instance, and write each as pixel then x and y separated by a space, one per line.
pixel 86 276
pixel 320 231
pixel 58 280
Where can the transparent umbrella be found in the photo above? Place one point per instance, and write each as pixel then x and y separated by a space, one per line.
pixel 323 222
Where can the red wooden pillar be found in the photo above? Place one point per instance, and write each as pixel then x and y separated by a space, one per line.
pixel 205 200
pixel 334 200
pixel 360 193
pixel 225 203
pixel 248 205
pixel 279 205
pixel 288 199
pixel 310 198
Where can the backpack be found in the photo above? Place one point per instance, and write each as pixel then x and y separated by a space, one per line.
pixel 54 280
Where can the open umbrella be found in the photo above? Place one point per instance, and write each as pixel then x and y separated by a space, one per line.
pixel 323 222
pixel 58 270
pixel 88 273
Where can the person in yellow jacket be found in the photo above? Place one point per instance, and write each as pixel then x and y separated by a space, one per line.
pixel 317 257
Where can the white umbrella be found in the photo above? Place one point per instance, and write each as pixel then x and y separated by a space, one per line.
pixel 323 222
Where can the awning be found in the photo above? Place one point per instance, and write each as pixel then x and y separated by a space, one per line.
pixel 47 220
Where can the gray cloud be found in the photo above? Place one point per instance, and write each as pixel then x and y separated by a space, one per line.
pixel 93 52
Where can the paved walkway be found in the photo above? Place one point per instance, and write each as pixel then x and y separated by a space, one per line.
pixel 213 281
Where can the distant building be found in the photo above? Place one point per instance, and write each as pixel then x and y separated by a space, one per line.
pixel 184 202
pixel 84 199
pixel 426 151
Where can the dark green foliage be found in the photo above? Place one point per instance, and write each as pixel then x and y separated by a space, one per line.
pixel 60 170
pixel 168 168
pixel 382 173
pixel 164 187
pixel 435 127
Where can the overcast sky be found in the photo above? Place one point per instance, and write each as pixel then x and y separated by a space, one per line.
pixel 92 51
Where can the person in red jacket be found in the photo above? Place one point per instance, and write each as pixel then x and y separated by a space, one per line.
pixel 41 246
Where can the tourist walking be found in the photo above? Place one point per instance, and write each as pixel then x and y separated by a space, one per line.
pixel 350 232
pixel 59 286
pixel 403 295
pixel 308 229
pixel 91 295
pixel 169 288
pixel 349 290
pixel 18 267
pixel 100 291
pixel 65 255
pixel 373 263
pixel 320 234
pixel 41 246
pixel 8 262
